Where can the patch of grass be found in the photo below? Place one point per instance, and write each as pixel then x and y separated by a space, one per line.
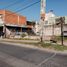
pixel 24 39
pixel 59 47
pixel 54 46
pixel 44 45
pixel 59 38
pixel 65 38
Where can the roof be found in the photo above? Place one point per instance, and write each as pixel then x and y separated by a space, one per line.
pixel 30 22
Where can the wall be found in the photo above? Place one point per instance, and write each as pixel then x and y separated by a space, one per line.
pixel 2 12
pixel 22 20
pixel 49 31
pixel 12 18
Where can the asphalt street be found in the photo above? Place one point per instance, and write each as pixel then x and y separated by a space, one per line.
pixel 17 56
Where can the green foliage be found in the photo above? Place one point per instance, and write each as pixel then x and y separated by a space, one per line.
pixel 23 35
pixel 58 38
pixel 53 46
pixel 59 47
pixel 43 44
pixel 46 45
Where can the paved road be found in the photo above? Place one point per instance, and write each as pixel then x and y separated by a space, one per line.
pixel 16 56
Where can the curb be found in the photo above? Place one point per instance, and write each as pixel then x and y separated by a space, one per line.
pixel 37 48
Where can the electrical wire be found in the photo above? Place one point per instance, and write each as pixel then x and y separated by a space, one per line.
pixel 11 4
pixel 25 7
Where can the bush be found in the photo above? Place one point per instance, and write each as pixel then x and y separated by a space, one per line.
pixel 23 35
pixel 46 45
pixel 58 38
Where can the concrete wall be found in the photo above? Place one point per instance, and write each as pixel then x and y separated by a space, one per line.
pixel 49 31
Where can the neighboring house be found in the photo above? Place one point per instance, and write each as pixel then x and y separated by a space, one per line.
pixel 36 28
pixel 49 18
pixel 12 22
pixel 49 28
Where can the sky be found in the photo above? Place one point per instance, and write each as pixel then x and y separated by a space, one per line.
pixel 32 13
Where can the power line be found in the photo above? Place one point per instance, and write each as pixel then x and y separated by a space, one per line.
pixel 24 4
pixel 25 7
pixel 28 6
pixel 12 4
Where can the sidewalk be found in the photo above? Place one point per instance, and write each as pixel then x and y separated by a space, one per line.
pixel 34 41
pixel 31 46
pixel 1 39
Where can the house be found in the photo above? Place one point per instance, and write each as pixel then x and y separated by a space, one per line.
pixel 11 22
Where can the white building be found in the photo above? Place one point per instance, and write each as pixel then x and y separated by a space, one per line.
pixel 49 28
pixel 49 18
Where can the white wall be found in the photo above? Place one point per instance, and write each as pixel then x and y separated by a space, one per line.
pixel 1 22
pixel 48 32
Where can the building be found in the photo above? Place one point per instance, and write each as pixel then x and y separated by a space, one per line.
pixel 11 22
pixel 49 27
pixel 47 23
pixel 49 18
pixel 10 18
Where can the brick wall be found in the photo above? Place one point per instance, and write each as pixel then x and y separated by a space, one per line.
pixel 22 21
pixel 2 12
pixel 12 18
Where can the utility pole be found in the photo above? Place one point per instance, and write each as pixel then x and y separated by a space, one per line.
pixel 62 22
pixel 42 18
pixel 53 30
